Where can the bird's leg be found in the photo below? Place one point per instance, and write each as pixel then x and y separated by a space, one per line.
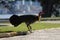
pixel 29 28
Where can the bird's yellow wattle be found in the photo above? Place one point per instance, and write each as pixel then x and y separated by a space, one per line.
pixel 39 18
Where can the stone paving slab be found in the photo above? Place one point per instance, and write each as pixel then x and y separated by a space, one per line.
pixel 46 34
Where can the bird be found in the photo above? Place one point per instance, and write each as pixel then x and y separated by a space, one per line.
pixel 28 19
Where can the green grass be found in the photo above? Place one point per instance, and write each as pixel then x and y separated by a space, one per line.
pixel 35 26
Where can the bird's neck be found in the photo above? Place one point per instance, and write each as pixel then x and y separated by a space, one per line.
pixel 39 17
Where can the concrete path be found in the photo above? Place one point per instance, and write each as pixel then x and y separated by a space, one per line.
pixel 46 34
pixel 50 21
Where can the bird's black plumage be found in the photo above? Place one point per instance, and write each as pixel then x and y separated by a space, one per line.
pixel 28 19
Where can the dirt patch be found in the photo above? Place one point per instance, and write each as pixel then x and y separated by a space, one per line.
pixel 46 34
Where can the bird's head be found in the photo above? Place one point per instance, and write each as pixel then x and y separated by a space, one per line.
pixel 39 16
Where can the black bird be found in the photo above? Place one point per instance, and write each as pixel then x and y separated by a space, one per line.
pixel 28 19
